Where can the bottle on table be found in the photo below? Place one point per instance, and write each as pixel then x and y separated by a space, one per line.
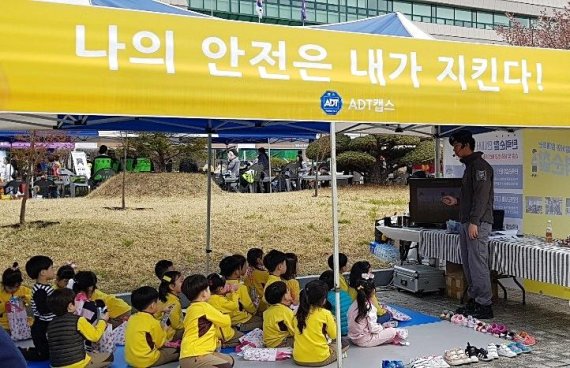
pixel 549 231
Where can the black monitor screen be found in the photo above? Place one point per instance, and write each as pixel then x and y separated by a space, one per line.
pixel 426 206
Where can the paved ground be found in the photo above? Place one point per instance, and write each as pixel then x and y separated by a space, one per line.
pixel 548 319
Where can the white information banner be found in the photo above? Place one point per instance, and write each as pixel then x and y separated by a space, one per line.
pixel 504 151
pixel 80 163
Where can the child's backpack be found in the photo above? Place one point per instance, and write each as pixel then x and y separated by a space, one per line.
pixel 18 319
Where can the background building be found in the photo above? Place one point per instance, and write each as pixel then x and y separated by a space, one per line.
pixel 458 20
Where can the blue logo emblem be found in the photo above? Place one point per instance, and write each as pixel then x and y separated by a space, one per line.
pixel 331 102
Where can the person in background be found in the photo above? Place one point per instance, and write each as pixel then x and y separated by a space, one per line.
pixel 67 334
pixel 8 171
pixel 315 328
pixel 200 341
pixel 163 266
pixel 343 267
pixel 345 300
pixel 144 336
pixel 290 276
pixel 263 160
pixel 40 268
pixel 12 287
pixel 278 325
pixel 233 163
pixel 476 217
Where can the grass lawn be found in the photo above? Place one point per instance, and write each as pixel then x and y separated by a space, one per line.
pixel 121 247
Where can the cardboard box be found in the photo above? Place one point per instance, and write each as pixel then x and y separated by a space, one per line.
pixel 456 283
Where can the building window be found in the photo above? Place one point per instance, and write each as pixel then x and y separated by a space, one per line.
pixel 483 19
pixel 444 15
pixel 500 20
pixel 422 13
pixel 402 7
pixel 463 18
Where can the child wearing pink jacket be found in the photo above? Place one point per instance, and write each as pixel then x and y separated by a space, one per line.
pixel 363 328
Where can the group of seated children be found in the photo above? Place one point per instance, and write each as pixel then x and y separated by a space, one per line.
pixel 250 292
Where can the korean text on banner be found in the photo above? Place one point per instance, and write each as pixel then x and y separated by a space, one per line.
pixel 109 61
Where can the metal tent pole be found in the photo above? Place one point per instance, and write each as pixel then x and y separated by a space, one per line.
pixel 335 245
pixel 437 143
pixel 125 143
pixel 269 144
pixel 209 205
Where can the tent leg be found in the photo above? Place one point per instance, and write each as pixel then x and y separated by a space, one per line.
pixel 437 145
pixel 125 143
pixel 269 144
pixel 209 205
pixel 335 243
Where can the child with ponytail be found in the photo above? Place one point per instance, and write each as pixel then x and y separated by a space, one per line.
pixel 315 328
pixel 169 306
pixel 12 287
pixel 361 270
pixel 227 305
pixel 363 328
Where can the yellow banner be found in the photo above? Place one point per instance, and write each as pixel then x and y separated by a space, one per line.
pixel 74 59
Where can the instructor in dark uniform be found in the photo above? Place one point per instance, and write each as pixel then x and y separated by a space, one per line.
pixel 476 215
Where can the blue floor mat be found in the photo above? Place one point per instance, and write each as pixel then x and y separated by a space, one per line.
pixel 418 318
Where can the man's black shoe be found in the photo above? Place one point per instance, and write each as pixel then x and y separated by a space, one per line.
pixel 467 309
pixel 483 312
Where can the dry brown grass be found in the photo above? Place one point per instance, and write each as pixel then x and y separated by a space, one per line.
pixel 122 246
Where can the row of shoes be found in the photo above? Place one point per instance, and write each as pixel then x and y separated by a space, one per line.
pixel 495 329
pixel 471 354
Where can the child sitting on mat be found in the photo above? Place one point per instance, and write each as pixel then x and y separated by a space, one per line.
pixel 163 266
pixel 315 328
pixel 361 270
pixel 363 328
pixel 200 341
pixel 343 267
pixel 170 308
pixel 256 277
pixel 12 288
pixel 278 326
pixel 67 333
pixel 290 276
pixel 226 305
pixel 64 276
pixel 244 316
pixel 345 300
pixel 144 336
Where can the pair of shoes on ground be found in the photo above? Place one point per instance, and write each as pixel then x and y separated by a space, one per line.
pixel 455 357
pixel 393 364
pixel 476 310
pixel 478 354
pixel 429 362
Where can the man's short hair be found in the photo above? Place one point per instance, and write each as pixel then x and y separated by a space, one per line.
pixel 464 137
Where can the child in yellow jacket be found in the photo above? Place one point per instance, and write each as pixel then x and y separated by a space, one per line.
pixel 226 302
pixel 244 317
pixel 144 336
pixel 170 308
pixel 202 321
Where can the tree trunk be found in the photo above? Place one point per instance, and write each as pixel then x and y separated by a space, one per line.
pixel 378 174
pixel 24 200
